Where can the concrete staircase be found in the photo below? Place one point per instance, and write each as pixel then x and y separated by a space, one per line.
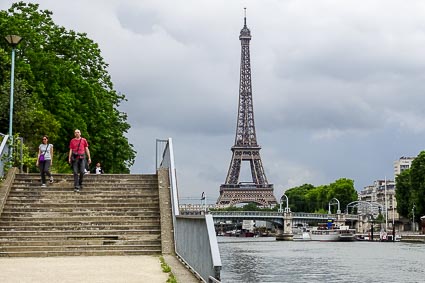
pixel 112 215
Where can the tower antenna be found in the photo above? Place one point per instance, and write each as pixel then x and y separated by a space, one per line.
pixel 244 16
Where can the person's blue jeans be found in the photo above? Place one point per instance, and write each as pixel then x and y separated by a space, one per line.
pixel 78 166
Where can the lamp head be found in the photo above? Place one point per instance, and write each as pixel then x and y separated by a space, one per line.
pixel 13 40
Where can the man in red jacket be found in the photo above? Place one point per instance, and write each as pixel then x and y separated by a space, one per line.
pixel 78 148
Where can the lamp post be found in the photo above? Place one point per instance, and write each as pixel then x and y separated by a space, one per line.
pixel 330 203
pixel 13 41
pixel 413 218
pixel 287 209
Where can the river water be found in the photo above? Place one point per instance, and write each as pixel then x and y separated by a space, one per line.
pixel 267 260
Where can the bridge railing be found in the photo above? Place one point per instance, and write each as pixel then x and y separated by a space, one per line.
pixel 272 214
pixel 194 236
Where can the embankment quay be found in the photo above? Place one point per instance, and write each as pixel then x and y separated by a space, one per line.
pixel 285 221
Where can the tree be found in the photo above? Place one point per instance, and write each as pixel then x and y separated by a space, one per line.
pixel 343 190
pixel 410 189
pixel 61 84
pixel 297 198
pixel 308 198
pixel 403 192
pixel 417 186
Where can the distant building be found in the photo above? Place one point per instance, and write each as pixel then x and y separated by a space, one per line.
pixel 384 195
pixel 402 164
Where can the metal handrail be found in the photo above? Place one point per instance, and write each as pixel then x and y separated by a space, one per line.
pixel 4 149
pixel 204 225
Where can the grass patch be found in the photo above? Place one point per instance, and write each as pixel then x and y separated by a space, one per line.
pixel 167 269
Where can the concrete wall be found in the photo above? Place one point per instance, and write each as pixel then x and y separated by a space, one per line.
pixel 6 185
pixel 167 225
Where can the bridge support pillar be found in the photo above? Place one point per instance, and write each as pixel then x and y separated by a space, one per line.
pixel 285 233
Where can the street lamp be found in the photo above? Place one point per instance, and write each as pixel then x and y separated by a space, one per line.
pixel 330 203
pixel 287 209
pixel 13 41
pixel 413 218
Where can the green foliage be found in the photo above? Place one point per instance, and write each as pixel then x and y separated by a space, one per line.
pixel 167 269
pixel 301 198
pixel 380 218
pixel 308 198
pixel 27 161
pixel 61 84
pixel 403 192
pixel 410 189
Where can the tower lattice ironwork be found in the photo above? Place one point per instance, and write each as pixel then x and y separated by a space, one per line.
pixel 246 147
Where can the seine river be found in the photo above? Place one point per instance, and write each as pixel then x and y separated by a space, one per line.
pixel 267 260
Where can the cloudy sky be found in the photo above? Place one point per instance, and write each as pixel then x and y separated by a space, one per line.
pixel 338 86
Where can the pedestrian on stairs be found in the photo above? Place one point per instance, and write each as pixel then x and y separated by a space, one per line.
pixel 78 148
pixel 45 160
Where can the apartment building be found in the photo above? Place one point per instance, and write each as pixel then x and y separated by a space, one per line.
pixel 402 164
pixel 382 192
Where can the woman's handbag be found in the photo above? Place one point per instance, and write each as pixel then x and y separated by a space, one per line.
pixel 41 157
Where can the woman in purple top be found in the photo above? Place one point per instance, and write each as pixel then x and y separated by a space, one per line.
pixel 45 160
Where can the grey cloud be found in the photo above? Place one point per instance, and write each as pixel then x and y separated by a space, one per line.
pixel 338 87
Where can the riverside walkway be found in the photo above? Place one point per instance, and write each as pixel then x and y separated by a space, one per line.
pixel 92 269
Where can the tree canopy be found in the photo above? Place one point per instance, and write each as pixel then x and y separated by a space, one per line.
pixel 308 198
pixel 61 84
pixel 410 189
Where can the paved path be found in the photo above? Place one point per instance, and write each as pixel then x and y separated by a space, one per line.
pixel 90 269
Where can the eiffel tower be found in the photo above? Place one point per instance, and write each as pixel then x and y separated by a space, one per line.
pixel 246 148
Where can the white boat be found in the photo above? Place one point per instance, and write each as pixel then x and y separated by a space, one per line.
pixel 301 234
pixel 341 233
pixel 304 236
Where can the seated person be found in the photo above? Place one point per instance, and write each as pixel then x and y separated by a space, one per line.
pixel 98 169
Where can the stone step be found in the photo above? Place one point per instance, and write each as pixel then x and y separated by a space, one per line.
pixel 50 190
pixel 78 227
pixel 67 221
pixel 86 232
pixel 85 238
pixel 71 194
pixel 113 177
pixel 65 215
pixel 82 199
pixel 82 242
pixel 99 201
pixel 82 195
pixel 89 181
pixel 61 185
pixel 79 204
pixel 68 247
pixel 82 252
pixel 36 183
pixel 85 218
